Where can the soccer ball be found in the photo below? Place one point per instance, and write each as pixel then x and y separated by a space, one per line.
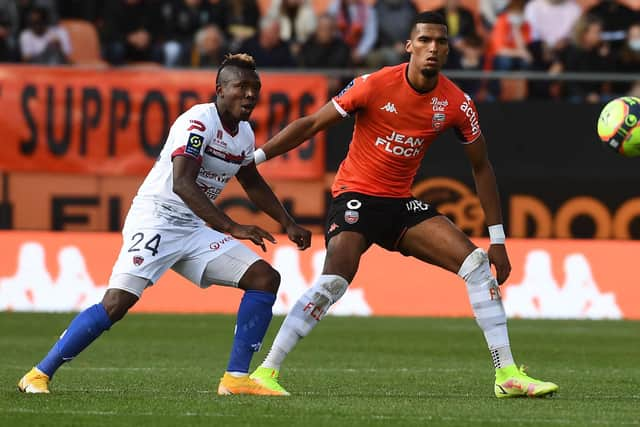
pixel 619 125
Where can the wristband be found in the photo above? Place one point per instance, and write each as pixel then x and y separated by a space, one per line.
pixel 496 234
pixel 259 156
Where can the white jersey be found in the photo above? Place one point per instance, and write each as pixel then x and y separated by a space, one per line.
pixel 198 134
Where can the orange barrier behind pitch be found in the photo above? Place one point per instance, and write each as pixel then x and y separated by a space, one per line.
pixel 114 121
pixel 550 278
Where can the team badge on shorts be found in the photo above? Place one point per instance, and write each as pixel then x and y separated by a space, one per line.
pixel 138 260
pixel 351 217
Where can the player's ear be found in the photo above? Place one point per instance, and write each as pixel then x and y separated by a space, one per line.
pixel 408 46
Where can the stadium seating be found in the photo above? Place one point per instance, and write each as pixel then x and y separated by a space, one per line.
pixel 85 45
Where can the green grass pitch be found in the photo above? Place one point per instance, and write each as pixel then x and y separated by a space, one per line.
pixel 163 370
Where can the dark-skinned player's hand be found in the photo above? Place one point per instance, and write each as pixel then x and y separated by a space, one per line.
pixel 298 235
pixel 252 232
pixel 500 260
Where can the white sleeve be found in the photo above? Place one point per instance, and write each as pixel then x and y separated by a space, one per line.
pixel 248 154
pixel 190 134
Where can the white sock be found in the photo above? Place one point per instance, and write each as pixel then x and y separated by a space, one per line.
pixel 304 316
pixel 486 302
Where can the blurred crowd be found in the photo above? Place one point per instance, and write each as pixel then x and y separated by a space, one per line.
pixel 504 35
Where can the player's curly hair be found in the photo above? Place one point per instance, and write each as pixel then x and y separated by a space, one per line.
pixel 240 60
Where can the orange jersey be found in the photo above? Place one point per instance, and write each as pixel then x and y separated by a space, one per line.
pixel 394 126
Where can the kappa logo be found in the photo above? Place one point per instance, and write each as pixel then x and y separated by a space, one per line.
pixel 577 295
pixel 390 108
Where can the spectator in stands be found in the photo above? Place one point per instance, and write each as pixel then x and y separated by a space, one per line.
pixel 25 7
pixel 472 58
pixel 182 19
pixel 326 49
pixel 242 20
pixel 616 19
pixel 297 21
pixel 551 23
pixel 9 26
pixel 208 50
pixel 509 39
pixel 508 43
pixel 628 60
pixel 266 47
pixel 394 18
pixel 588 53
pixel 358 23
pixel 489 11
pixel 461 24
pixel 43 43
pixel 129 32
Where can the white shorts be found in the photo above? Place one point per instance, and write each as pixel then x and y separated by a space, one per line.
pixel 151 246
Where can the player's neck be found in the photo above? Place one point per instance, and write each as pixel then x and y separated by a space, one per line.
pixel 419 82
pixel 229 123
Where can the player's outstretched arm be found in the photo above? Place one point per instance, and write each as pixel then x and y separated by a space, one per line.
pixel 300 130
pixel 487 190
pixel 261 194
pixel 185 172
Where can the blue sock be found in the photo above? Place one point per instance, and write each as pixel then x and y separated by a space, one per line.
pixel 83 329
pixel 254 315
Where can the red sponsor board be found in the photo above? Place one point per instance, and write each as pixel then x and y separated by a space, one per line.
pixel 114 121
pixel 550 279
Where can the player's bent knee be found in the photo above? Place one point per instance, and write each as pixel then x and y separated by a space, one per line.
pixel 476 259
pixel 329 289
pixel 123 292
pixel 261 276
pixel 117 303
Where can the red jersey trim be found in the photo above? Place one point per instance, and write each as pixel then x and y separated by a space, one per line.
pixel 180 152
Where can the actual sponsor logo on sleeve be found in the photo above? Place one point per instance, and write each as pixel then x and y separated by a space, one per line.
pixel 194 144
pixel 351 217
pixel 471 114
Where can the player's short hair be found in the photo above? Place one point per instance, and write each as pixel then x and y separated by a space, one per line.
pixel 428 18
pixel 238 60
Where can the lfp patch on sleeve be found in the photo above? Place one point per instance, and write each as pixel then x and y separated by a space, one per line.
pixel 194 144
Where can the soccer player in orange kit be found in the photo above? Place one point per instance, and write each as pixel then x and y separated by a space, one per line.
pixel 399 111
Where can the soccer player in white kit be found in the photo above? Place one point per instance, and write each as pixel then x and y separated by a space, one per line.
pixel 173 223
